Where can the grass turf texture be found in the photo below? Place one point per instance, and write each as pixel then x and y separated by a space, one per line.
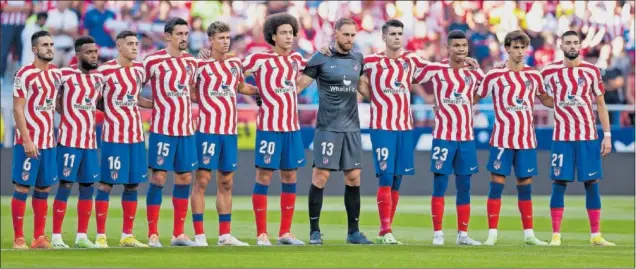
pixel 412 226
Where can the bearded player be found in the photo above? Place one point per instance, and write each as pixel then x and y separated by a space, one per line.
pixel 278 140
pixel 217 80
pixel 34 154
pixel 123 160
pixel 172 146
pixel 80 89
pixel 513 142
pixel 453 148
pixel 576 146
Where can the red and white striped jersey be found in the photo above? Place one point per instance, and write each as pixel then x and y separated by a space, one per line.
pixel 276 82
pixel 122 85
pixel 217 83
pixel 80 93
pixel 390 81
pixel 573 89
pixel 513 95
pixel 39 88
pixel 454 90
pixel 170 79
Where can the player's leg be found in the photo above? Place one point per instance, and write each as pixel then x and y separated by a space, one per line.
pixel 405 166
pixel 87 174
pixel 161 151
pixel 267 160
pixel 562 165
pixel 68 164
pixel 350 162
pixel 185 162
pixel 292 157
pixel 114 169
pixel 590 171
pixel 465 164
pixel 24 175
pixel 499 165
pixel 224 183
pixel 102 202
pixel 385 147
pixel 442 156
pixel 208 151
pixel 326 154
pixel 525 163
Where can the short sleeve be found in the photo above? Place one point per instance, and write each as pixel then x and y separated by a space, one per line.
pixel 312 69
pixel 425 74
pixel 19 86
pixel 147 70
pixel 484 89
pixel 252 63
pixel 540 85
pixel 597 82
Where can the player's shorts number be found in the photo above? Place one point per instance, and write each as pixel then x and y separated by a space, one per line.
pixel 382 153
pixel 114 163
pixel 27 164
pixel 163 149
pixel 501 151
pixel 267 147
pixel 208 149
pixel 444 153
pixel 327 148
pixel 69 157
pixel 559 158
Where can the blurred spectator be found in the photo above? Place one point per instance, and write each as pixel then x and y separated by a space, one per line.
pixel 480 39
pixel 94 22
pixel 12 18
pixel 29 30
pixel 63 24
pixel 147 46
pixel 198 36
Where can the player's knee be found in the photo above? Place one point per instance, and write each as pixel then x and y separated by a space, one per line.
pixel 224 183
pixel 42 189
pixel 288 176
pixel 264 176
pixel 105 187
pixel 200 184
pixel 524 181
pixel 66 184
pixel 21 188
pixel 561 182
pixel 497 178
pixel 352 177
pixel 131 187
pixel 320 177
pixel 86 185
pixel 591 182
pixel 158 177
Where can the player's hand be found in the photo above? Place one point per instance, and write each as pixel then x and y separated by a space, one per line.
pixel 472 62
pixel 606 146
pixel 325 49
pixel 30 149
pixel 435 108
pixel 204 54
pixel 259 100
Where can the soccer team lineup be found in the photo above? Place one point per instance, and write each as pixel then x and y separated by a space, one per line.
pixel 196 149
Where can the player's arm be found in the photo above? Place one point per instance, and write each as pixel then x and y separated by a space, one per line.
pixel 20 121
pixel 601 108
pixel 143 101
pixel 484 88
pixel 311 71
pixel 59 103
pixel 546 100
pixel 363 87
pixel 247 89
pixel 303 81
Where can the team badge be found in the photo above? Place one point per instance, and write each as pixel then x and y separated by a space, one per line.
pixel 468 80
pixel 138 80
pixel 439 164
pixel 25 176
pixel 66 171
pixel 557 171
pixel 188 69
pixel 405 66
pixel 383 165
pixel 233 70
pixel 98 85
pixel 159 160
pixel 581 82
pixel 528 84
pixel 267 159
pixel 355 67
pixel 496 164
pixel 114 174
pixel 206 159
pixel 295 66
pixel 325 160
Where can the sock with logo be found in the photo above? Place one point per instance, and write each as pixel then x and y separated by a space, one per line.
pixel 352 204
pixel 259 204
pixel 493 206
pixel 524 194
pixel 557 206
pixel 101 210
pixel 59 207
pixel 84 207
pixel 18 208
pixel 395 195
pixel 225 224
pixel 180 199
pixel 593 205
pixel 462 182
pixel 440 182
pixel 315 206
pixel 153 206
pixel 287 204
pixel 385 202
pixel 40 207
pixel 129 208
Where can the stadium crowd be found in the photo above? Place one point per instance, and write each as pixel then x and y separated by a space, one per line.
pixel 607 28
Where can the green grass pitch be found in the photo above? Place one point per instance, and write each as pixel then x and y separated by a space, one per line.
pixel 412 225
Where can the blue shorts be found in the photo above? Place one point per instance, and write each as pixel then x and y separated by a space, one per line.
pixel 77 164
pixel 584 155
pixel 393 152
pixel 124 163
pixel 40 172
pixel 217 151
pixel 172 153
pixel 279 150
pixel 502 160
pixel 460 156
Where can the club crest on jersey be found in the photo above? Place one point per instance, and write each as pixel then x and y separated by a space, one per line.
pixel 496 164
pixel 98 85
pixel 383 165
pixel 295 66
pixel 66 171
pixel 355 67
pixel 114 174
pixel 234 70
pixel 206 159
pixel 557 170
pixel 25 175
pixel 439 164
pixel 468 80
pixel 267 158
pixel 188 69
pixel 325 160
pixel 160 160
pixel 405 66
pixel 138 80
pixel 581 82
